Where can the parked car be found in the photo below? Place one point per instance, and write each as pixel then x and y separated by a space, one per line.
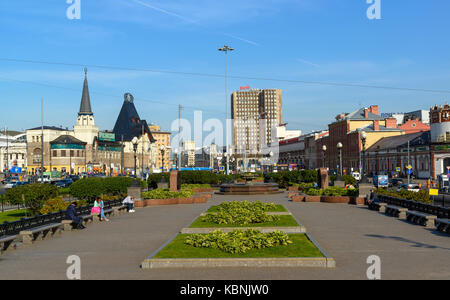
pixel 409 187
pixel 9 179
pixel 64 183
pixel 395 182
pixel 10 184
pixel 73 177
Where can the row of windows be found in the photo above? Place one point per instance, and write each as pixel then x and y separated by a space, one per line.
pixel 16 155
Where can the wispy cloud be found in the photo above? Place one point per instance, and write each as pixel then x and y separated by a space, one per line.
pixel 308 62
pixel 191 21
pixel 166 12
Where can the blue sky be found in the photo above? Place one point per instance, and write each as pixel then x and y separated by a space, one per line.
pixel 306 40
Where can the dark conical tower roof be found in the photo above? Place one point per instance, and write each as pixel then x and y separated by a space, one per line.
pixel 85 106
pixel 129 124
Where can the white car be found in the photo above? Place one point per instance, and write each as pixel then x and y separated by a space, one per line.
pixel 10 184
pixel 356 175
pixel 409 187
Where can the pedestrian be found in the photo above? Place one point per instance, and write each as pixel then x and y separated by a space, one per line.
pixel 71 214
pixel 129 202
pixel 99 203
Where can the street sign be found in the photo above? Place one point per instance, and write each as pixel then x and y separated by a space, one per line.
pixel 409 167
pixel 221 168
pixel 434 192
pixel 398 169
pixel 409 171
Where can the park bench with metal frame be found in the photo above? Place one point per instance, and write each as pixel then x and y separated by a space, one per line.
pixel 420 218
pixel 396 211
pixel 7 242
pixel 40 233
pixel 443 225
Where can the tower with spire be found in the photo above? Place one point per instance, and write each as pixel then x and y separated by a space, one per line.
pixel 86 130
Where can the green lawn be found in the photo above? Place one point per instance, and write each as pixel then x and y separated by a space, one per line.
pixel 12 215
pixel 278 208
pixel 284 221
pixel 301 247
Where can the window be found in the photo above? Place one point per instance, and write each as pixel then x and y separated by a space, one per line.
pixel 55 153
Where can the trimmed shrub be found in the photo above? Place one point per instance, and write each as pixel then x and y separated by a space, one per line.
pixel 286 178
pixel 349 179
pixel 91 188
pixel 242 213
pixel 421 196
pixel 166 194
pixel 54 205
pixel 33 196
pixel 238 241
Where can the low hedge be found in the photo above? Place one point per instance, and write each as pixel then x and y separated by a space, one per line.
pixel 166 194
pixel 93 187
pixel 333 191
pixel 421 196
pixel 33 196
pixel 286 178
pixel 195 186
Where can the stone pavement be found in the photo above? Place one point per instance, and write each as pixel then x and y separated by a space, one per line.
pixel 350 234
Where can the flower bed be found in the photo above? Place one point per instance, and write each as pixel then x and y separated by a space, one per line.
pixel 166 197
pixel 238 241
pixel 300 246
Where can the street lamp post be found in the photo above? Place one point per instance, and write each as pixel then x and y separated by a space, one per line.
pixel 324 149
pixel 363 141
pixel 339 146
pixel 226 49
pixel 135 144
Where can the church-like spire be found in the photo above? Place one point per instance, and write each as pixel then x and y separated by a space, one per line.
pixel 85 106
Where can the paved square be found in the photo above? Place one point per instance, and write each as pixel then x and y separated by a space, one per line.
pixel 348 233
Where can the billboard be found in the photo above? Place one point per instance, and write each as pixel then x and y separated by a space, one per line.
pixel 107 136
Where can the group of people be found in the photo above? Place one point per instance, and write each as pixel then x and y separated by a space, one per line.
pixel 71 212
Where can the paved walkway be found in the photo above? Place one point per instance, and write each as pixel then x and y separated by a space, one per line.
pixel 350 234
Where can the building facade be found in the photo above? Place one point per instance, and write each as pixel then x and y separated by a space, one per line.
pixel 162 157
pixel 347 130
pixel 256 116
pixel 86 149
pixel 13 151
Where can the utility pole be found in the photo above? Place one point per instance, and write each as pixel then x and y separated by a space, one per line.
pixel 42 140
pixel 121 158
pixel 180 108
pixel 409 170
pixel 7 150
pixel 142 162
pixel 226 49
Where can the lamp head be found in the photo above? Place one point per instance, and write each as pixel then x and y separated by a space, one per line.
pixel 135 141
pixel 339 145
pixel 363 135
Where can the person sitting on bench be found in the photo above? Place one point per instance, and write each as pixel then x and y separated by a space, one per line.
pixel 71 214
pixel 129 202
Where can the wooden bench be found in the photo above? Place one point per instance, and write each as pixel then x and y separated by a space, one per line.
pixel 7 242
pixel 443 225
pixel 396 211
pixel 40 233
pixel 421 218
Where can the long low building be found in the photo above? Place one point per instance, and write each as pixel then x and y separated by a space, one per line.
pixel 392 156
